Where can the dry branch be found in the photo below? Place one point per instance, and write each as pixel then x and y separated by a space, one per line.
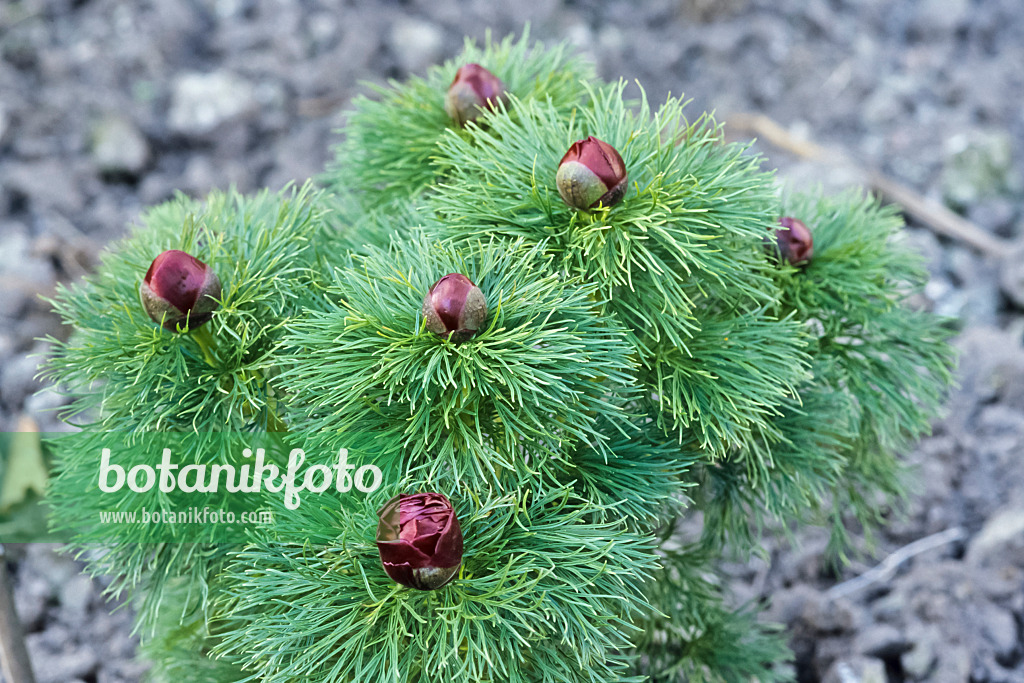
pixel 935 216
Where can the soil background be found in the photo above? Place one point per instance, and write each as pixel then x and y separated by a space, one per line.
pixel 110 106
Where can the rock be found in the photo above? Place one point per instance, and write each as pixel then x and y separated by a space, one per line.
pixel 856 670
pixel 826 652
pixel 919 660
pixel 830 616
pixel 416 44
pixel 997 215
pixel 992 370
pixel 5 123
pixel 999 629
pixel 30 598
pixel 705 11
pixel 42 406
pixel 63 666
pixel 1011 277
pixel 788 604
pixel 46 182
pixel 76 595
pixel 804 563
pixel 127 671
pixel 890 608
pixel 56 569
pixel 201 102
pixel 883 641
pixel 938 19
pixel 118 146
pixel 984 669
pixel 1000 538
pixel 981 303
pixel 978 164
pixel 954 664
pixel 18 379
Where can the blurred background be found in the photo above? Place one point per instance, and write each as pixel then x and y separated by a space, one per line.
pixel 110 106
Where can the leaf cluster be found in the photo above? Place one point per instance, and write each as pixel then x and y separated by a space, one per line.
pixel 545 593
pixel 389 153
pixel 880 372
pixel 126 373
pixel 537 380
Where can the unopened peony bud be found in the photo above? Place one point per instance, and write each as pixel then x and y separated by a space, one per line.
pixel 795 244
pixel 474 90
pixel 591 173
pixel 419 540
pixel 455 308
pixel 179 289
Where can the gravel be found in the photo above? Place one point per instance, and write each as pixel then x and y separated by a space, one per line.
pixel 107 107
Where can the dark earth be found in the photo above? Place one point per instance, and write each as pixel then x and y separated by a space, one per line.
pixel 107 107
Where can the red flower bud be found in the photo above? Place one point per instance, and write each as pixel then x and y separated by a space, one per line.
pixel 455 308
pixel 419 540
pixel 591 173
pixel 473 90
pixel 795 244
pixel 179 289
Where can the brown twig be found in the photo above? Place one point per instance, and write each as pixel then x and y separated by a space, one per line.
pixel 934 216
pixel 938 217
pixel 17 666
pixel 887 567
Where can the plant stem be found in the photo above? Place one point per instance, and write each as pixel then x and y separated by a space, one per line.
pixel 16 664
pixel 206 344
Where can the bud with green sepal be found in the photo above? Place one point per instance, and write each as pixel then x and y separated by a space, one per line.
pixel 420 540
pixel 179 291
pixel 455 308
pixel 793 243
pixel 474 91
pixel 591 173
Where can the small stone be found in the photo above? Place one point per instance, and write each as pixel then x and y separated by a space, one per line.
pixel 119 147
pixel 18 379
pixel 45 561
pixel 1011 277
pixel 75 597
pixel 416 44
pixel 124 672
pixel 881 640
pixel 919 660
pixel 830 616
pixel 64 666
pixel 203 101
pixel 42 404
pixel 856 670
pixel 45 183
pixel 890 608
pixel 1002 534
pixel 999 628
pixel 788 604
pixel 5 122
pixel 826 652
pixel 978 164
pixel 940 18
pixel 30 597
pixel 996 215
pixel 992 368
pixel 954 664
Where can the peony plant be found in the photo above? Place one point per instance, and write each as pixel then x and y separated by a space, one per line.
pixel 524 400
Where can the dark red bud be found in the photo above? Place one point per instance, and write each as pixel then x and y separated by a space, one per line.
pixel 794 243
pixel 179 289
pixel 455 308
pixel 419 540
pixel 474 90
pixel 591 173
